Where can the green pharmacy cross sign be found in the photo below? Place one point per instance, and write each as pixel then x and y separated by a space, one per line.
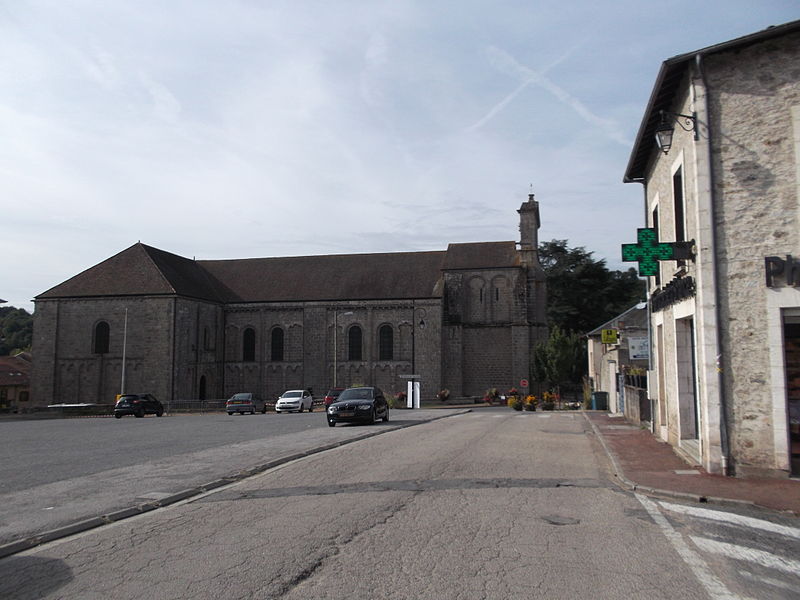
pixel 647 251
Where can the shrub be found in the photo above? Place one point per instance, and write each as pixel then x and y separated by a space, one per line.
pixel 398 400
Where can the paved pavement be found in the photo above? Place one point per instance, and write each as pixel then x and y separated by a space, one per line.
pixel 644 463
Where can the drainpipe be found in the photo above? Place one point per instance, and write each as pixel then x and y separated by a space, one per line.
pixel 723 408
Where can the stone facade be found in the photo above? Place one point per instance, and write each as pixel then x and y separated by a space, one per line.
pixel 462 319
pixel 730 184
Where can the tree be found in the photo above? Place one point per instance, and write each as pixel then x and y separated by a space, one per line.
pixel 16 330
pixel 582 293
pixel 560 359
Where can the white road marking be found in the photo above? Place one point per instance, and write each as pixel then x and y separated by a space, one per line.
pixel 759 557
pixel 768 581
pixel 713 586
pixel 733 519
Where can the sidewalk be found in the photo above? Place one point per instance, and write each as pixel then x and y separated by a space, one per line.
pixel 644 463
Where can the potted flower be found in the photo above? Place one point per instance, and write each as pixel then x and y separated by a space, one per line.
pixel 530 402
pixel 491 396
pixel 514 402
pixel 548 401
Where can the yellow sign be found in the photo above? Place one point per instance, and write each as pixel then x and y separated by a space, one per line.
pixel 609 336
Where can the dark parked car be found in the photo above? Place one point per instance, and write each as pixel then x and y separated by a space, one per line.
pixel 331 396
pixel 241 403
pixel 138 405
pixel 361 404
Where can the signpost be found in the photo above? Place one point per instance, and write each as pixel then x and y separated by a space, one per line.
pixel 609 336
pixel 648 251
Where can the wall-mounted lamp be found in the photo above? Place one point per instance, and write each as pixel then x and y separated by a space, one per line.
pixel 665 129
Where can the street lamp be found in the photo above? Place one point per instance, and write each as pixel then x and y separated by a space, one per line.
pixel 665 129
pixel 336 342
pixel 413 396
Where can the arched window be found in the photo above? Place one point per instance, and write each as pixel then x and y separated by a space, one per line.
pixel 101 338
pixel 276 353
pixel 386 343
pixel 354 343
pixel 249 345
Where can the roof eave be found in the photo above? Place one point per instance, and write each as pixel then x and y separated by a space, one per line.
pixel 666 86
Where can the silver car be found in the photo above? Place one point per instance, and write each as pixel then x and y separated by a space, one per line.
pixel 241 403
pixel 298 400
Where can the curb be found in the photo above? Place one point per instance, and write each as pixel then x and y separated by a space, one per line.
pixel 632 486
pixel 27 543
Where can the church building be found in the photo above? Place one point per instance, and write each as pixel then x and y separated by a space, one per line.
pixel 463 319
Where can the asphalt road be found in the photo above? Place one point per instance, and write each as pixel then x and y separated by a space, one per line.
pixel 490 504
pixel 61 471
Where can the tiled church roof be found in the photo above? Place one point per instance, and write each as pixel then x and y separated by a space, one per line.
pixel 140 270
pixel 144 270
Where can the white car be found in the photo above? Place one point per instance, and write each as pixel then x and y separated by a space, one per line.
pixel 298 400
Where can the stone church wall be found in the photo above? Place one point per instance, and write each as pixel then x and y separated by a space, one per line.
pixel 70 370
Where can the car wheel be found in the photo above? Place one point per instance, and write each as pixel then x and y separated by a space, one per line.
pixel 386 416
pixel 230 414
pixel 374 415
pixel 301 408
pixel 117 416
pixel 331 423
pixel 160 412
pixel 310 408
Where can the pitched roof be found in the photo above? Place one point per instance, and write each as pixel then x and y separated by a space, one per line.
pixel 14 371
pixel 482 255
pixel 144 270
pixel 140 270
pixel 400 275
pixel 667 85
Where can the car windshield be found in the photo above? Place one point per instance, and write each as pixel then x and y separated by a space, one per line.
pixel 292 395
pixel 356 394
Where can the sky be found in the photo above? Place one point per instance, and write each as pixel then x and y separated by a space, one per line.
pixel 245 128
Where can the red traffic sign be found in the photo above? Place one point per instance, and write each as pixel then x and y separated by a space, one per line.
pixel 523 383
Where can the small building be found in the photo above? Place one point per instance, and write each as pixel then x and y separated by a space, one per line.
pixel 722 206
pixel 618 357
pixel 463 319
pixel 15 386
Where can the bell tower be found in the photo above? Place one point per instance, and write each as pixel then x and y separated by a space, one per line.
pixel 529 230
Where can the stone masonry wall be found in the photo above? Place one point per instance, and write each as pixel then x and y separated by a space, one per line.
pixel 74 373
pixel 752 94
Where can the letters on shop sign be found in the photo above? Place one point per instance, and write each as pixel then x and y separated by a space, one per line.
pixel 787 269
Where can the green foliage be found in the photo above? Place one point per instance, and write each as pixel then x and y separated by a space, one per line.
pixel 582 293
pixel 16 330
pixel 560 359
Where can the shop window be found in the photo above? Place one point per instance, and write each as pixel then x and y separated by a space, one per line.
pixel 658 235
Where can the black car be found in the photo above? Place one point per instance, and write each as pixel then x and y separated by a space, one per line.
pixel 358 405
pixel 138 405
